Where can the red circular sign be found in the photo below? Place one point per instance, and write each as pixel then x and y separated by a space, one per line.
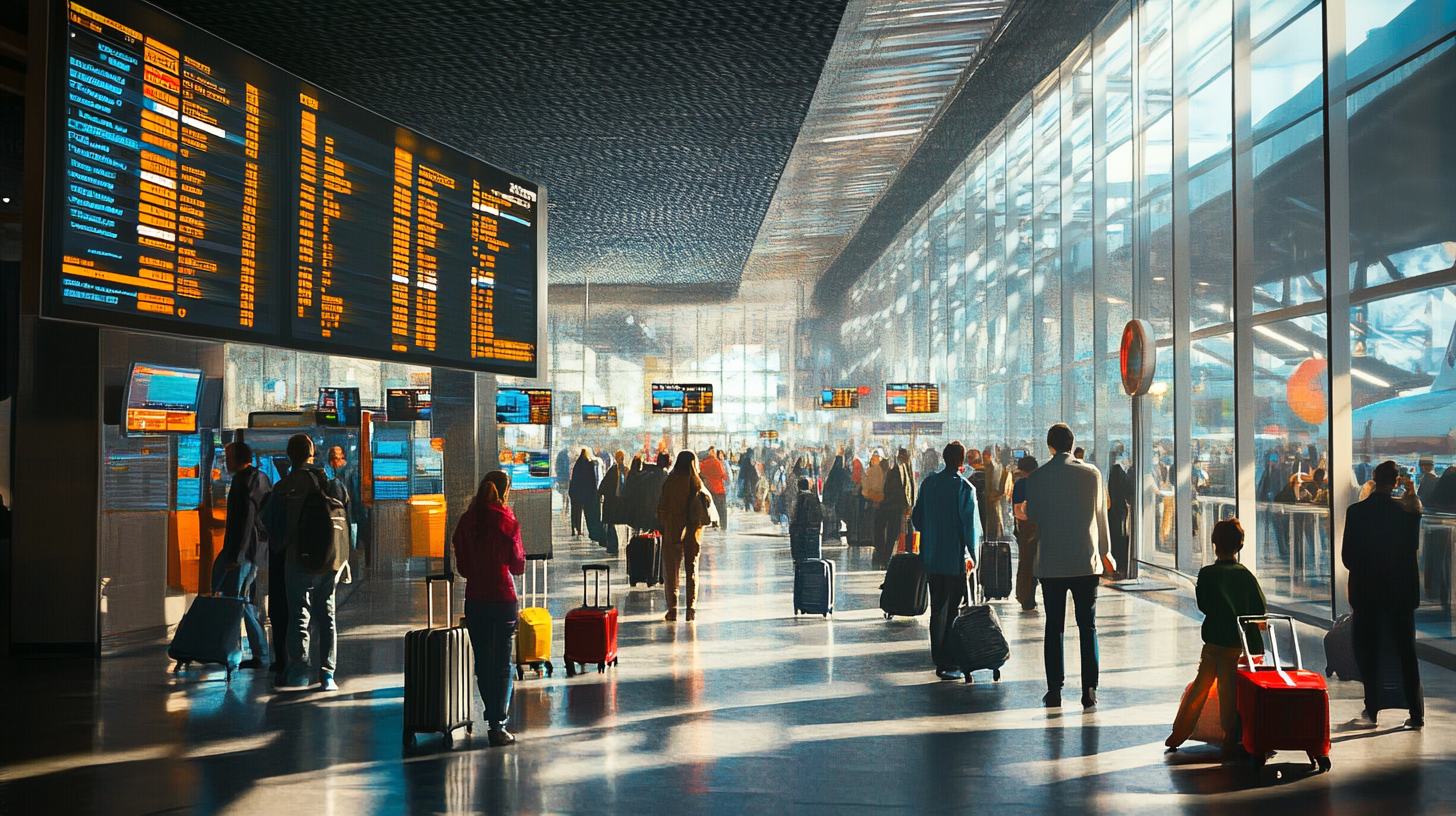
pixel 1307 392
pixel 1139 358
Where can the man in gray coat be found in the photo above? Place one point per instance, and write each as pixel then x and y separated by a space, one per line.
pixel 1067 500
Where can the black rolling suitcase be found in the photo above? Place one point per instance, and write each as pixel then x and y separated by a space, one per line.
pixel 993 569
pixel 438 666
pixel 1340 660
pixel 814 587
pixel 644 559
pixel 978 638
pixel 208 633
pixel 906 590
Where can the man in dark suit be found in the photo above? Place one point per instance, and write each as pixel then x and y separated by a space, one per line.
pixel 1382 534
pixel 245 546
pixel 899 498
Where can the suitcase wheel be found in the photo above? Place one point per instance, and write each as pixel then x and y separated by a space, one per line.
pixel 470 728
pixel 450 738
pixel 601 668
pixel 570 668
pixel 1257 760
pixel 887 616
pixel 995 675
pixel 548 669
pixel 1323 763
pixel 409 739
pixel 520 672
pixel 1330 671
pixel 614 662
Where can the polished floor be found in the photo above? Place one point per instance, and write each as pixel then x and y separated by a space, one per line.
pixel 750 710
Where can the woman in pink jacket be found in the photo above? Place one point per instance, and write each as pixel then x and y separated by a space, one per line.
pixel 488 551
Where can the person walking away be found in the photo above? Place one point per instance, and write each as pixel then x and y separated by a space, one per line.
pixel 1226 591
pixel 631 495
pixel 583 492
pixel 806 520
pixel 872 491
pixel 613 508
pixel 899 498
pixel 837 487
pixel 1119 511
pixel 245 547
pixel 310 591
pixel 563 480
pixel 1026 538
pixel 653 477
pixel 945 514
pixel 488 551
pixel 747 480
pixel 976 475
pixel 715 477
pixel 1068 502
pixel 684 510
pixel 347 478
pixel 1382 535
pixel 992 519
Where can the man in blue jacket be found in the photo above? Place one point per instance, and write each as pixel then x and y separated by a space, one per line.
pixel 945 514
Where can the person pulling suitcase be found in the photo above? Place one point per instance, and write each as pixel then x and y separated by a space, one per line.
pixel 945 513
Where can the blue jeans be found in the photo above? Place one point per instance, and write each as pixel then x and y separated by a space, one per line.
pixel 492 628
pixel 237 582
pixel 310 595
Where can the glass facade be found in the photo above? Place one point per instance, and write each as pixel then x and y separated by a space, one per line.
pixel 1201 164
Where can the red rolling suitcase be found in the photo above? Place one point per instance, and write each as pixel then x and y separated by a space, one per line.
pixel 1282 708
pixel 591 629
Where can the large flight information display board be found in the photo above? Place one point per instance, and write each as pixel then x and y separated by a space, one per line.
pixel 202 191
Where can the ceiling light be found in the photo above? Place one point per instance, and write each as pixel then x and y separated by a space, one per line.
pixel 1273 335
pixel 1159 280
pixel 1203 283
pixel 1114 300
pixel 1370 378
pixel 882 134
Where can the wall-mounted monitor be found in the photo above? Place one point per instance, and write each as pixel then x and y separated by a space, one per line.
pixel 682 398
pixel 912 398
pixel 408 404
pixel 601 416
pixel 840 397
pixel 161 399
pixel 529 469
pixel 337 407
pixel 198 190
pixel 523 406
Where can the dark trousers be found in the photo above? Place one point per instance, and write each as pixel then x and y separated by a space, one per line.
pixel 492 627
pixel 1084 600
pixel 1026 544
pixel 578 509
pixel 278 607
pixel 947 592
pixel 1369 627
pixel 889 521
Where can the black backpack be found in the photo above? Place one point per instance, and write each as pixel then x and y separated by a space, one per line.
pixel 321 540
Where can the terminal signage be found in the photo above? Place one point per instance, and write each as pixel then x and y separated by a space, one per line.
pixel 409 404
pixel 768 434
pixel 198 190
pixel 841 397
pixel 523 406
pixel 162 399
pixel 674 398
pixel 912 398
pixel 599 415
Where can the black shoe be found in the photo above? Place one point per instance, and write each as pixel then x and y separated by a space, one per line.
pixel 499 737
pixel 251 663
pixel 1415 723
pixel 950 674
pixel 1089 698
pixel 1053 699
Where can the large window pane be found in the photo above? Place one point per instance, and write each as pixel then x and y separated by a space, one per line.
pixel 1212 403
pixel 1292 416
pixel 1210 144
pixel 1380 30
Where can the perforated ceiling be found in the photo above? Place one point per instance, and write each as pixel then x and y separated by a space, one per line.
pixel 659 127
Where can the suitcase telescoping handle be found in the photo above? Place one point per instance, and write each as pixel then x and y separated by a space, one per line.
pixel 430 597
pixel 1273 645
pixel 596 571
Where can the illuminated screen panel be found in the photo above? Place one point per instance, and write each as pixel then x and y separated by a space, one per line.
pixel 839 398
pixel 523 406
pixel 408 404
pixel 162 399
pixel 599 415
pixel 338 408
pixel 406 248
pixel 912 398
pixel 166 181
pixel 675 398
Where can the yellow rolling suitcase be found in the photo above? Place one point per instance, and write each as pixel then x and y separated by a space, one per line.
pixel 533 629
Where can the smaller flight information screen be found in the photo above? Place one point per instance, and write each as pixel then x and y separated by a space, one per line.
pixel 162 399
pixel 676 398
pixel 408 404
pixel 912 398
pixel 337 408
pixel 600 415
pixel 523 406
pixel 839 398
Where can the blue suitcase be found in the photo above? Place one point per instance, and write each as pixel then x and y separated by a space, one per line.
pixel 814 587
pixel 210 632
pixel 805 543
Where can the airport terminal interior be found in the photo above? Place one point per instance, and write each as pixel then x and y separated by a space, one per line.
pixel 830 273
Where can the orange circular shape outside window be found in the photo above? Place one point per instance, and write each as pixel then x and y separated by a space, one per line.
pixel 1138 358
pixel 1308 390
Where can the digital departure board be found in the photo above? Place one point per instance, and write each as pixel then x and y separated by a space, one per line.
pixel 198 190
pixel 673 398
pixel 408 404
pixel 839 398
pixel 523 406
pixel 166 195
pixel 912 398
pixel 599 415
pixel 162 399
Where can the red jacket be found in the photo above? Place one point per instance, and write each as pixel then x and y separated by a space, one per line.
pixel 488 551
pixel 715 476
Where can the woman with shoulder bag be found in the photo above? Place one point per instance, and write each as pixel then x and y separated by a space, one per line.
pixel 685 509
